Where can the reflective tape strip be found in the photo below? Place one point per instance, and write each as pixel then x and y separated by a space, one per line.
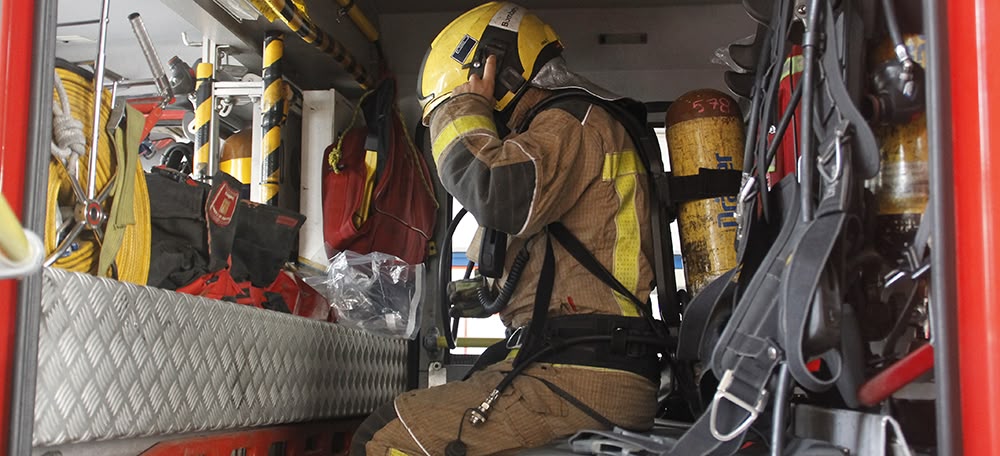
pixel 792 65
pixel 621 164
pixel 624 169
pixel 459 127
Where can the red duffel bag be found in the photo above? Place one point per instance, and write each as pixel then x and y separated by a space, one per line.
pixel 377 190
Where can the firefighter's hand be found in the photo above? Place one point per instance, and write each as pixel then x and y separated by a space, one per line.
pixel 482 86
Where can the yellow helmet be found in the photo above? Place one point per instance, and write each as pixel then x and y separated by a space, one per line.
pixel 520 40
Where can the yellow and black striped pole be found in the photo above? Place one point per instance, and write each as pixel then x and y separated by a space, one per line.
pixel 203 121
pixel 314 35
pixel 273 117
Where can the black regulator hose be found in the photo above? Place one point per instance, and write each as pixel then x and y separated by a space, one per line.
pixel 492 306
pixel 444 266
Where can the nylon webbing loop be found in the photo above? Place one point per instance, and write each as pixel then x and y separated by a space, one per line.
pixel 707 184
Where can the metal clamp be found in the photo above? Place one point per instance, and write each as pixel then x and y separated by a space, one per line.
pixel 516 338
pixel 723 393
pixel 837 156
pixel 747 191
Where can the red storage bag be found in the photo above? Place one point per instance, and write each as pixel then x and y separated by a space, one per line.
pixel 384 204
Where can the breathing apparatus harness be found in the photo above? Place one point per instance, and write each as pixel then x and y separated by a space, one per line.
pixel 787 294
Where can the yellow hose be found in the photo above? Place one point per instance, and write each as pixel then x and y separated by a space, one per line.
pixel 13 242
pixel 134 256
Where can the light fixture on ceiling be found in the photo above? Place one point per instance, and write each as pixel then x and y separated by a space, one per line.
pixel 241 10
pixel 74 39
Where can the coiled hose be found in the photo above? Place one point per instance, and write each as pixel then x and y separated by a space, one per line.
pixel 493 306
pixel 133 258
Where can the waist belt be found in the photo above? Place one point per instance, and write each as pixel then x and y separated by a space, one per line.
pixel 603 341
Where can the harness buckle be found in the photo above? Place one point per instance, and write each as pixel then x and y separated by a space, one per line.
pixel 837 149
pixel 723 393
pixel 516 338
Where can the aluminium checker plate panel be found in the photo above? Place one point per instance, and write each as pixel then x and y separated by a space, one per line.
pixel 121 361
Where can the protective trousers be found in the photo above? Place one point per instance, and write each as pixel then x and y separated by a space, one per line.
pixel 527 415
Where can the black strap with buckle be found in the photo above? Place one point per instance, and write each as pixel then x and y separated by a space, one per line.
pixel 630 346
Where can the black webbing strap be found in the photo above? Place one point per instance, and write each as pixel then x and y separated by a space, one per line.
pixel 699 312
pixel 867 155
pixel 378 110
pixel 580 405
pixel 798 298
pixel 739 400
pixel 543 296
pixel 587 260
pixel 707 184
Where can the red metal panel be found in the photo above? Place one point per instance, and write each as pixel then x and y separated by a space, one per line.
pixel 308 439
pixel 16 38
pixel 974 50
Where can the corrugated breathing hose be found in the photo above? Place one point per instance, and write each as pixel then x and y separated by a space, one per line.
pixel 133 258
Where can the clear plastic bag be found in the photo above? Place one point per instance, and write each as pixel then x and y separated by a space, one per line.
pixel 376 292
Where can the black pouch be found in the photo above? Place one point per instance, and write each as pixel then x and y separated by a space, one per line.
pixel 222 213
pixel 178 241
pixel 265 239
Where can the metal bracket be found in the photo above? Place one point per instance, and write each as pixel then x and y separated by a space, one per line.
pixel 801 10
pixel 859 433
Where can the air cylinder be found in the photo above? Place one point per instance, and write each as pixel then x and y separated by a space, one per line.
pixel 902 185
pixel 705 130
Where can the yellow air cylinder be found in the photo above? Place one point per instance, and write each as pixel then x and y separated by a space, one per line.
pixel 705 130
pixel 902 185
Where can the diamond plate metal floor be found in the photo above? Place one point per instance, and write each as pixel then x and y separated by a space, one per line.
pixel 122 361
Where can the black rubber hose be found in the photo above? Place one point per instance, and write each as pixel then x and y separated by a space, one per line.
pixel 891 23
pixel 444 265
pixel 498 304
pixel 786 119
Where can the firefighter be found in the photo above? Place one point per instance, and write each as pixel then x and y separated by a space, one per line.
pixel 574 164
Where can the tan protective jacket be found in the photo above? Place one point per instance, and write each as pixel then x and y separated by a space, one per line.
pixel 574 164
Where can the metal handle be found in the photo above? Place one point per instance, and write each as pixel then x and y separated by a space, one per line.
pixel 152 58
pixel 98 94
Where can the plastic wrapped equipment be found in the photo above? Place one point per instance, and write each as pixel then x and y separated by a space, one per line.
pixel 376 292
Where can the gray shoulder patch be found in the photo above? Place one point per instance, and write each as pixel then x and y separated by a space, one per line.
pixel 498 197
pixel 575 107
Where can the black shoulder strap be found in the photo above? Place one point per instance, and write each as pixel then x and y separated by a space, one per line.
pixel 587 260
pixel 377 110
pixel 649 152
